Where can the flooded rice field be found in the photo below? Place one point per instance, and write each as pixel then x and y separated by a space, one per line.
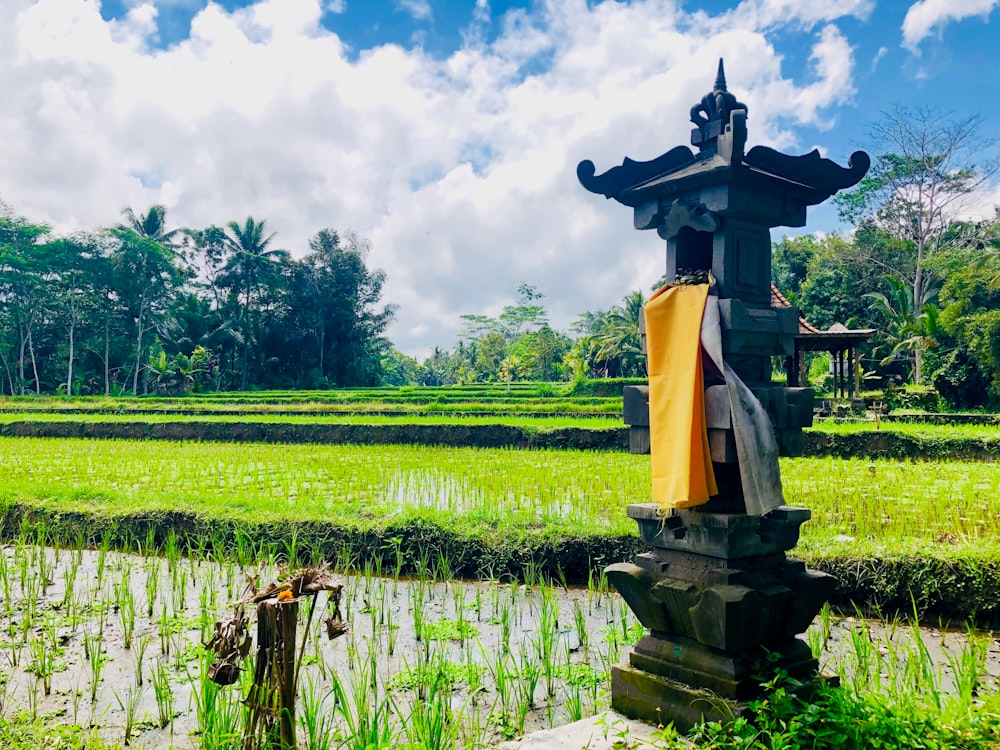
pixel 115 641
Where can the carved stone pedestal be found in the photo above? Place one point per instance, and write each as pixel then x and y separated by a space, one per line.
pixel 723 603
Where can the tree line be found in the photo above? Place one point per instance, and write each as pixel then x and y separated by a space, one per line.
pixel 139 308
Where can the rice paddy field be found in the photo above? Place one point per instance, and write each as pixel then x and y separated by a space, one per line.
pixel 103 649
pixel 540 421
pixel 473 491
pixel 459 566
pixel 538 399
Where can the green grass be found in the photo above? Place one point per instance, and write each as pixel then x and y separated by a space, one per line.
pixel 885 500
pixel 540 422
pixel 24 732
pixel 477 492
pixel 366 403
pixel 499 491
pixel 916 429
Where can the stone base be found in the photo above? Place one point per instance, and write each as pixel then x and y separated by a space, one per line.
pixel 731 676
pixel 724 607
pixel 659 701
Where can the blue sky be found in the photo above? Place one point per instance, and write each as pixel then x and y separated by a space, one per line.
pixel 448 132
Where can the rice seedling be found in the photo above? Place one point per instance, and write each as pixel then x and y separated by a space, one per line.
pixel 164 629
pixel 431 721
pixel 43 660
pixel 139 658
pixel 93 653
pixel 33 699
pixel 178 589
pixel 69 576
pixel 148 547
pixel 130 707
pixel 497 664
pixel 164 692
pixel 125 604
pixel 152 585
pixel 291 547
pixel 76 695
pixel 364 709
pixel 43 556
pixel 219 713
pixel 529 673
pixel 8 599
pixel 315 720
pixel 417 593
pixel 580 625
pixel 102 556
pixel 205 610
pixel 171 550
pixel 573 701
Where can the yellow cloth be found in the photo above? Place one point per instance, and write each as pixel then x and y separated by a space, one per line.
pixel 681 461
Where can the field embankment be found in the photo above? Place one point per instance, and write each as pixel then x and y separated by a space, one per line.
pixel 571 431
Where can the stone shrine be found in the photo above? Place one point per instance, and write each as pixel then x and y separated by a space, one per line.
pixel 716 591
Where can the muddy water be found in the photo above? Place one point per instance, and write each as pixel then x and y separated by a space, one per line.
pixel 549 648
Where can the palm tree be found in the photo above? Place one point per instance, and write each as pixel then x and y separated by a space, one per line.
pixel 151 225
pixel 907 330
pixel 251 262
pixel 617 336
pixel 146 260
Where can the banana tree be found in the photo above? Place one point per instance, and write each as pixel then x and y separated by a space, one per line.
pixel 908 331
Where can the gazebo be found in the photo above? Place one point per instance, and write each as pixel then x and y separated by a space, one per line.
pixel 840 341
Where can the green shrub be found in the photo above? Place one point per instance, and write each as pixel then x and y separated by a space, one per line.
pixel 912 398
pixel 604 387
pixel 961 382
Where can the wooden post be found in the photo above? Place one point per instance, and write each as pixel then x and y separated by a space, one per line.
pixel 856 369
pixel 271 720
pixel 288 617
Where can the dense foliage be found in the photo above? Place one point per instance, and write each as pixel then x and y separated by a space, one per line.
pixel 136 308
pixel 860 281
pixel 520 345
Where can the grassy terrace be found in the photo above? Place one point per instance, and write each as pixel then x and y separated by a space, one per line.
pixel 915 429
pixel 494 510
pixel 374 403
pixel 372 414
pixel 431 418
pixel 476 492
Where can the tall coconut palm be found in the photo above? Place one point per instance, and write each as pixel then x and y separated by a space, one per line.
pixel 151 225
pixel 251 264
pixel 146 260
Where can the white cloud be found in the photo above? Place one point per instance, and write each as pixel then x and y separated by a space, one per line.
pixel 419 9
pixel 926 15
pixel 762 14
pixel 981 205
pixel 833 64
pixel 461 170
